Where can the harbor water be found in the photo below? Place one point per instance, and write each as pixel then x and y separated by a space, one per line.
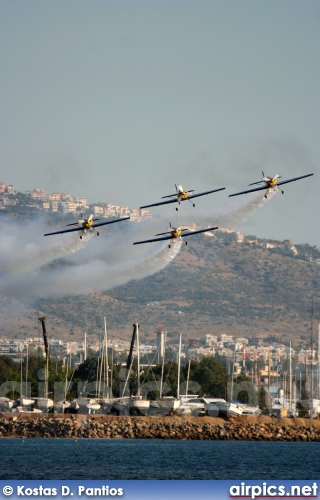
pixel 151 459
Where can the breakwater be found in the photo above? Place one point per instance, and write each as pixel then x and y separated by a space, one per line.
pixel 169 427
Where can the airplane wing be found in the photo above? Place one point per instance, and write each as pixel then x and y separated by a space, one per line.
pixel 169 196
pixel 65 231
pixel 171 237
pixel 250 190
pixel 190 233
pixel 80 228
pixel 159 203
pixel 154 239
pixel 109 222
pixel 206 192
pixel 294 179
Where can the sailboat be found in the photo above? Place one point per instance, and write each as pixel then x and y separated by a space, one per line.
pixel 122 404
pixel 191 404
pixel 139 402
pixel 25 401
pixel 61 406
pixel 45 403
pixel 106 401
pixel 170 403
pixel 87 402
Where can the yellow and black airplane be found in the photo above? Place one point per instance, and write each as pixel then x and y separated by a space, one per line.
pixel 181 195
pixel 175 234
pixel 269 183
pixel 86 225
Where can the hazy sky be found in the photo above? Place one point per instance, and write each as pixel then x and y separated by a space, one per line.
pixel 119 100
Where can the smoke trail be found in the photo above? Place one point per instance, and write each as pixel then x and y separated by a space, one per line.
pixel 236 214
pixel 110 260
pixel 23 247
pixel 93 275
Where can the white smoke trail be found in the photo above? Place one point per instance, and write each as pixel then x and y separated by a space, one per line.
pixel 108 261
pixel 93 275
pixel 23 247
pixel 236 214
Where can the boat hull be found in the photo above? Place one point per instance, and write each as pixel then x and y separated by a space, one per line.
pixel 171 404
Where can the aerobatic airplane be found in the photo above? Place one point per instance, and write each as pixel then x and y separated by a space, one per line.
pixel 270 183
pixel 180 195
pixel 175 234
pixel 86 225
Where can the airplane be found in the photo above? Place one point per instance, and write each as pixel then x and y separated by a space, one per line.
pixel 180 195
pixel 270 182
pixel 174 234
pixel 86 225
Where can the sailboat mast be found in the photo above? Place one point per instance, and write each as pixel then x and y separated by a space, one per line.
pixel 162 368
pixel 311 368
pixel 179 359
pixel 138 360
pixel 47 376
pixel 85 346
pixel 27 370
pixel 66 384
pixel 106 347
pixel 319 361
pixel 290 377
pixel 111 380
pixel 188 375
pixel 20 376
pixel 232 372
pixel 44 333
pixel 130 356
pixel 269 399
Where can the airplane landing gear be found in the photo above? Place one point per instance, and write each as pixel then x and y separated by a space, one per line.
pixel 80 237
pixel 177 209
pixel 97 234
pixel 186 243
pixel 265 196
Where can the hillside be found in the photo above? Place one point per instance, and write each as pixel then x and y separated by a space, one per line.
pixel 215 285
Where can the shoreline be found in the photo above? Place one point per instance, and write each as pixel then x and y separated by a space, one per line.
pixel 260 428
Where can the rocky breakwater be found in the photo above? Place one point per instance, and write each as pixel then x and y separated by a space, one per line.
pixel 123 427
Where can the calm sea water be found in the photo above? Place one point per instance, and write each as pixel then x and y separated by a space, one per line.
pixel 156 459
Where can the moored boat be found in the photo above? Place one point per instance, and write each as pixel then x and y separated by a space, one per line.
pixel 220 407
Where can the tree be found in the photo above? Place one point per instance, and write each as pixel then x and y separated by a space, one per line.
pixel 246 391
pixel 210 375
pixel 262 400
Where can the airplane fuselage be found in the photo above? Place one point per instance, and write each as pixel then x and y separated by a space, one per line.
pixel 184 195
pixel 175 233
pixel 271 183
pixel 87 224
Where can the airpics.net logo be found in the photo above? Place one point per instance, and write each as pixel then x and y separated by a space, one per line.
pixel 266 490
